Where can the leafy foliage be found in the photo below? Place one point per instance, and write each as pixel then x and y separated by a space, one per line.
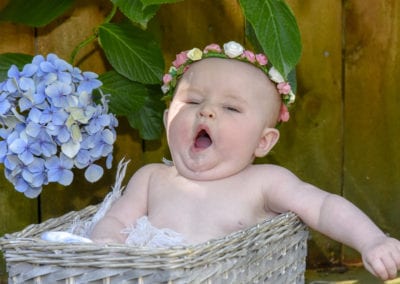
pixel 276 31
pixel 136 58
pixel 8 59
pixel 36 13
pixel 132 52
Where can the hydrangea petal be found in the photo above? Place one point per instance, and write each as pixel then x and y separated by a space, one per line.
pixel 26 84
pixel 108 136
pixel 109 161
pixel 71 148
pixel 66 177
pixel 21 185
pixel 82 159
pixel 4 106
pixel 63 134
pixel 93 173
pixel 3 150
pixel 32 192
pixel 33 129
pixel 26 157
pixel 18 146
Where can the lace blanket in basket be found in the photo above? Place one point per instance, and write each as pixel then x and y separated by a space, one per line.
pixel 142 233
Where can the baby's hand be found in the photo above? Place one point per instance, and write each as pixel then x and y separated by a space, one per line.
pixel 382 258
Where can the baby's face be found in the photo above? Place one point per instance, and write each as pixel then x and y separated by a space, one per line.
pixel 218 115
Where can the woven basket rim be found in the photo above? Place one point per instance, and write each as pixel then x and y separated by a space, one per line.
pixel 267 242
pixel 271 230
pixel 25 234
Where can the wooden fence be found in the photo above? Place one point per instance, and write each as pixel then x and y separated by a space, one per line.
pixel 344 131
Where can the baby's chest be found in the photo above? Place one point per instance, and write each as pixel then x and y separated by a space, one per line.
pixel 227 210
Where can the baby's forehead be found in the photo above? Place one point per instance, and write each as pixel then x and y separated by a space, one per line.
pixel 229 76
pixel 226 69
pixel 228 63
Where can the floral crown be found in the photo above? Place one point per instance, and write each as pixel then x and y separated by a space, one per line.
pixel 231 50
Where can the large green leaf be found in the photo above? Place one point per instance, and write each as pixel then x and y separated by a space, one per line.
pixel 132 52
pixel 8 59
pixel 35 13
pixel 149 119
pixel 126 96
pixel 276 30
pixel 136 12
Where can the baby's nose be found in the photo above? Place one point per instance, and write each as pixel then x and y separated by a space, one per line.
pixel 207 112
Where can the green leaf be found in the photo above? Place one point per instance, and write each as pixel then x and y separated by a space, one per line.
pixel 132 52
pixel 8 59
pixel 149 119
pixel 157 2
pixel 36 13
pixel 276 30
pixel 136 12
pixel 126 96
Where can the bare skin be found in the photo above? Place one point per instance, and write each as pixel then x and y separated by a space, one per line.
pixel 220 119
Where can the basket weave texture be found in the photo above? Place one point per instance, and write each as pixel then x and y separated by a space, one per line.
pixel 271 252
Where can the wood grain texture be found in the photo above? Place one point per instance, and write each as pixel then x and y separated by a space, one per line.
pixel 372 118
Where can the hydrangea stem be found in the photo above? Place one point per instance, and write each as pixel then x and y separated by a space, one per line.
pixel 91 37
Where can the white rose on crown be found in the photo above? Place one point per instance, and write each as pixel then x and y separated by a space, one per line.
pixel 233 49
pixel 275 76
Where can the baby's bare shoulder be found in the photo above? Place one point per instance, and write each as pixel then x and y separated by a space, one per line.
pixel 150 169
pixel 272 177
pixel 269 170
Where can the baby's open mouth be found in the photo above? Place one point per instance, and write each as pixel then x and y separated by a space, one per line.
pixel 202 140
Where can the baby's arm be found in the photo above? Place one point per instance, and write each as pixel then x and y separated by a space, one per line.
pixel 339 219
pixel 126 210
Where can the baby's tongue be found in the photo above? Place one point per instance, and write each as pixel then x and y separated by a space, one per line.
pixel 203 140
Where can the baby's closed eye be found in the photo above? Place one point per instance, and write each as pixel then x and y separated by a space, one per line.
pixel 232 108
pixel 192 102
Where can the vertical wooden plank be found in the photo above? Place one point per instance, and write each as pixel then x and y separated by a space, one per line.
pixel 193 23
pixel 372 118
pixel 311 142
pixel 16 211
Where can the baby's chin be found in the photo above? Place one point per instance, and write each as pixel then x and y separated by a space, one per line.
pixel 206 174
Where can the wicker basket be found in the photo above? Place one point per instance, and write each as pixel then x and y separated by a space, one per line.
pixel 271 252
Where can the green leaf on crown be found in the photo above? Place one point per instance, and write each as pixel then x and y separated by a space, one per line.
pixel 276 30
pixel 36 13
pixel 132 52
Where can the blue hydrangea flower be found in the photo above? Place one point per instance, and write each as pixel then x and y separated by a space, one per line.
pixel 50 123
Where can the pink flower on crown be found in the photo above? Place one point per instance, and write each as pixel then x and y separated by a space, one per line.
pixel 181 58
pixel 284 113
pixel 250 56
pixel 261 59
pixel 212 47
pixel 167 78
pixel 284 88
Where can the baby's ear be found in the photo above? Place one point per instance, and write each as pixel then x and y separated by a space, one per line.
pixel 267 141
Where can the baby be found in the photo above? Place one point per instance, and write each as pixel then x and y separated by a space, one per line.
pixel 225 106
